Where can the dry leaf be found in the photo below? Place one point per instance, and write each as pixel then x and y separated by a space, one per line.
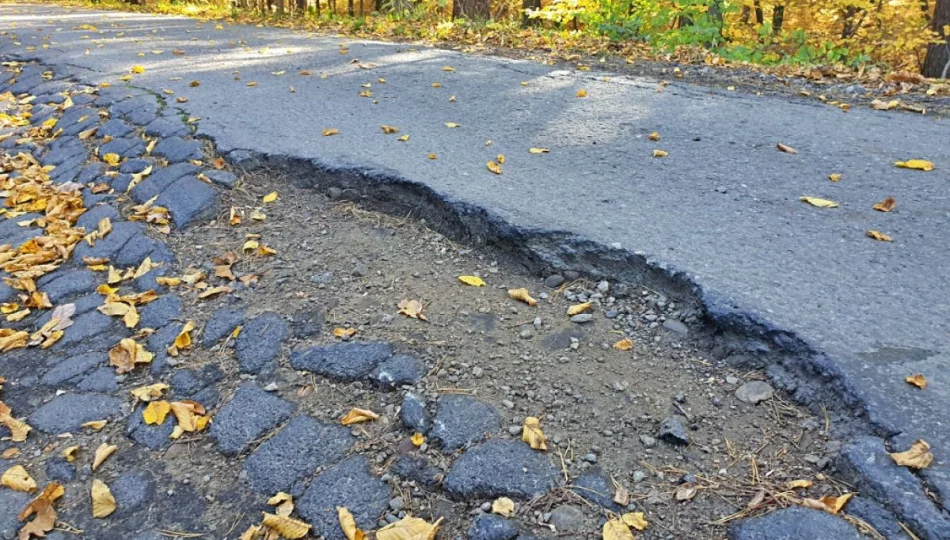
pixel 660 153
pixel 286 527
pixel 42 506
pixel 270 197
pixel 70 454
pixel 411 308
pixel 522 295
pixel 417 439
pixel 635 520
pixel 655 136
pixel 578 308
pixel 503 506
pixel 917 380
pixel 834 177
pixel 786 148
pixel 828 503
pixel 798 484
pixel 878 235
pixel 536 150
pixel 409 528
pixel 820 203
pixel 451 125
pixel 917 457
pixel 156 411
pixel 95 425
pixel 103 503
pixel 17 479
pixel 621 496
pixel 531 433
pixel 918 164
pixel 344 333
pixel 102 453
pixel 127 354
pixel 581 93
pixel 474 281
pixel 494 167
pixel 616 529
pixel 330 132
pixel 685 493
pixel 149 392
pixel 183 340
pixel 389 130
pixel 624 344
pixel 348 524
pixel 886 205
pixel 356 416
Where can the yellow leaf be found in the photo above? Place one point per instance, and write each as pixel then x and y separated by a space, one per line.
pixel 17 479
pixel 103 503
pixel 660 153
pixel 112 159
pixel 820 203
pixel 183 340
pixel 436 85
pixel 798 484
pixel 536 150
pixel 917 380
pixel 500 159
pixel 71 453
pixel 635 520
pixel 95 425
pixel 522 295
pixel 417 439
pixel 828 503
pixel 9 308
pixel 156 412
pixel 280 498
pixel 433 156
pixel 266 251
pixel 786 148
pixel 168 281
pixel 357 416
pixel 886 205
pixel 403 138
pixel 531 433
pixel 341 332
pixel 102 453
pixel 448 68
pixel 494 167
pixel 149 392
pixel 412 309
pixel 655 136
pixel 286 527
pixel 214 291
pixel 503 506
pixel 127 354
pixel 270 197
pixel 917 457
pixel 624 344
pixel 348 524
pixel 137 69
pixel 582 93
pixel 330 132
pixel 578 308
pixel 918 164
pixel 409 528
pixel 474 281
pixel 252 84
pixel 878 235
pixel 452 125
pixel 834 177
pixel 389 130
pixel 616 529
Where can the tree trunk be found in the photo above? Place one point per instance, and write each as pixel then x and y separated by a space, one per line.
pixel 471 9
pixel 350 9
pixel 759 14
pixel 937 63
pixel 778 17
pixel 526 5
pixel 301 8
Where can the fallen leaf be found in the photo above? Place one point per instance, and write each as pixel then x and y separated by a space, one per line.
pixel 95 425
pixel 214 291
pixel 660 153
pixel 917 457
pixel 616 529
pixel 500 159
pixel 503 506
pixel 149 392
pixel 828 503
pixel 42 506
pixel 494 167
pixel 182 340
pixel 417 439
pixel 886 205
pixel 330 132
pixel 348 524
pixel 917 380
pixel 286 527
pixel 403 138
pixel 103 503
pixel 452 125
pixel 127 354
pixel 474 281
pixel 820 203
pixel 137 69
pixel 112 159
pixel 102 453
pixel 798 484
pixel 389 130
pixel 786 148
pixel 357 416
pixel 531 433
pixel 621 496
pixel 878 235
pixel 70 454
pixel 432 156
pixel 17 479
pixel 156 412
pixel 578 308
pixel 917 164
pixel 522 295
pixel 10 453
pixel 270 197
pixel 624 344
pixel 655 136
pixel 635 520
pixel 536 150
pixel 412 308
pixel 581 93
pixel 341 332
pixel 409 528
pixel 834 177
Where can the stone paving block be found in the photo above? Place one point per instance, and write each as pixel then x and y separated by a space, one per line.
pixel 187 382
pixel 414 414
pixel 160 312
pixel 500 468
pixel 342 361
pixel 69 411
pixel 222 323
pixel 417 469
pixel 461 420
pixel 97 332
pixel 132 491
pixel 178 150
pixel 114 128
pixel 166 126
pixel 159 342
pixel 108 247
pixel 258 345
pixel 126 147
pixel 139 247
pixel 68 170
pixel 302 446
pixel 155 183
pixel 249 414
pixel 11 503
pixel 78 127
pixel 100 380
pixel 120 182
pixel 398 370
pixel 595 487
pixel 190 201
pixel 794 523
pixel 60 470
pixel 349 484
pixel 492 527
pixel 73 368
pixel 876 516
pixel 150 436
pixel 91 172
pixel 221 178
pixel 134 166
pixel 62 150
pixel 71 284
pixel 94 215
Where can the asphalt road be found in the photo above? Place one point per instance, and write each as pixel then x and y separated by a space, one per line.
pixel 723 206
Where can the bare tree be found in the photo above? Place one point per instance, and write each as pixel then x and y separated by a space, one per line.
pixel 937 63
